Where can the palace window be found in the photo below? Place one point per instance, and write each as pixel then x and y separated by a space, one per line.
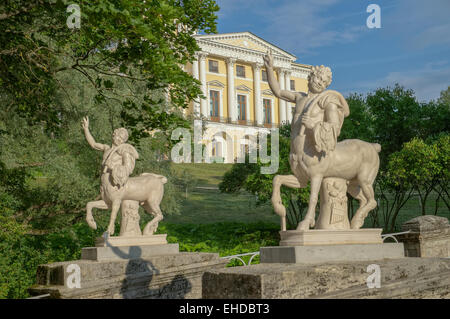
pixel 267 107
pixel 242 104
pixel 240 71
pixel 214 104
pixel 213 66
pixel 264 75
pixel 292 85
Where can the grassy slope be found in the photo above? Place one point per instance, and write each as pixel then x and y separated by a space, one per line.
pixel 210 206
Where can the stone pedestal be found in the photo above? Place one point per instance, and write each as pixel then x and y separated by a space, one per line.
pixel 429 236
pixel 334 253
pixel 129 226
pixel 158 277
pixel 118 241
pixel 399 278
pixel 127 252
pixel 330 237
pixel 330 245
pixel 333 204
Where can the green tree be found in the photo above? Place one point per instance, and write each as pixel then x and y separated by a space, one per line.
pixel 445 97
pixel 142 45
pixel 416 164
pixel 396 118
pixel 359 123
pixel 442 143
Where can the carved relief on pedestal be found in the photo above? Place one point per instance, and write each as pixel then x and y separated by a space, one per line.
pixel 129 226
pixel 333 204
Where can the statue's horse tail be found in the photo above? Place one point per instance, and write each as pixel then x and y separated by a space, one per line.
pixel 162 178
pixel 377 147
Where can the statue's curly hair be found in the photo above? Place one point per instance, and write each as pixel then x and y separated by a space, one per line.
pixel 323 72
pixel 123 133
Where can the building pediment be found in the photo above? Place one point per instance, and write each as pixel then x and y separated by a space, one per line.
pixel 267 92
pixel 216 83
pixel 243 87
pixel 245 46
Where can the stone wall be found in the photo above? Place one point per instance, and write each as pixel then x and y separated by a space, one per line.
pixel 399 278
pixel 160 277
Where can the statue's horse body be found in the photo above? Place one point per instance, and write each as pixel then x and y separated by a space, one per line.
pixel 147 189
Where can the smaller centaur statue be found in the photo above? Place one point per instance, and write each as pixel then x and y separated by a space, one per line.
pixel 117 186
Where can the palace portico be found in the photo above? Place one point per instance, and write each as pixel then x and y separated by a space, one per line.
pixel 239 102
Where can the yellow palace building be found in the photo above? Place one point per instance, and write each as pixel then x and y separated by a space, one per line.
pixel 239 103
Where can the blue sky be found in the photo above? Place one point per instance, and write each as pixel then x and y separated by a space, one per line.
pixel 412 47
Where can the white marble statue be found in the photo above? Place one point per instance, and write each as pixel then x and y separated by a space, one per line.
pixel 119 189
pixel 315 155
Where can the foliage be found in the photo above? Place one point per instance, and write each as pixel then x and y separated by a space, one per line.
pixel 140 45
pixel 21 253
pixel 416 164
pixel 418 167
pixel 224 238
pixel 445 97
pixel 359 122
pixel 397 117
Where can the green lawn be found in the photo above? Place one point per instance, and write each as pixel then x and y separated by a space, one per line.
pixel 209 206
pixel 209 175
pixel 205 204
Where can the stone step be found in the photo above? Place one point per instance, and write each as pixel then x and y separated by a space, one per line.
pixel 435 284
pixel 399 278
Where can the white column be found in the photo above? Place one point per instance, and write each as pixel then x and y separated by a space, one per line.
pixel 288 88
pixel 232 109
pixel 257 90
pixel 203 106
pixel 282 103
pixel 195 75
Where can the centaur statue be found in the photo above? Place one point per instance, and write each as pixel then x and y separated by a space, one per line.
pixel 315 153
pixel 117 185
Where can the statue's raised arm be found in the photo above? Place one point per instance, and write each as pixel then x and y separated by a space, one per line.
pixel 273 83
pixel 90 139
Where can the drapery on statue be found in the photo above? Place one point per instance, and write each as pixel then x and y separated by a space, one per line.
pixel 315 153
pixel 117 185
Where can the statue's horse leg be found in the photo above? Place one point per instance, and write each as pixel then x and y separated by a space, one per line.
pixel 100 204
pixel 355 191
pixel 115 209
pixel 365 181
pixel 279 180
pixel 309 220
pixel 151 206
pixel 361 214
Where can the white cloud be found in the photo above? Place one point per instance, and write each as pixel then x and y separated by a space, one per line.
pixel 427 82
pixel 296 26
pixel 420 23
pixel 306 25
